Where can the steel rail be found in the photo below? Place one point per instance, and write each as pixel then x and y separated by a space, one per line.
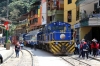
pixel 76 60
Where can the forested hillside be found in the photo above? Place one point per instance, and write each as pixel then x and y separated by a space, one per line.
pixel 16 8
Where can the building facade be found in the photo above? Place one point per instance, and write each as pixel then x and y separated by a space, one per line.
pixel 70 12
pixel 71 15
pixel 33 16
pixel 44 12
pixel 90 19
pixel 55 10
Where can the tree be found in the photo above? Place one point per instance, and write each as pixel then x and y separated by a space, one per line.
pixel 19 7
pixel 16 7
pixel 12 29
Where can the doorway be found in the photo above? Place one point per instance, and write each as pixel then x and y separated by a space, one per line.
pixel 96 33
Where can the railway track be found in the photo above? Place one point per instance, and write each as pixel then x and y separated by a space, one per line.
pixel 25 59
pixel 74 61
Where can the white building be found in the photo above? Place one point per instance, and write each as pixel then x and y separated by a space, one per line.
pixel 90 19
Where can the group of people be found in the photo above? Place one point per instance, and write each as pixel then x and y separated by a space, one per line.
pixel 32 44
pixel 84 48
pixel 19 45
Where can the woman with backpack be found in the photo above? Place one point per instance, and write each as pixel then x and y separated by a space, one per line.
pixel 17 49
pixel 85 48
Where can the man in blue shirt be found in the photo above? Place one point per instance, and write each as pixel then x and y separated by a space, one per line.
pixel 32 44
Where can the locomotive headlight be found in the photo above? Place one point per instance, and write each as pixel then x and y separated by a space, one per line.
pixel 62 36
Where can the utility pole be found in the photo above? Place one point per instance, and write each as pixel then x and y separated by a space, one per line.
pixel 7 19
pixel 7 9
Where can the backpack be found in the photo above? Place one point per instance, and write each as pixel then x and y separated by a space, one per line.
pixel 17 48
pixel 85 47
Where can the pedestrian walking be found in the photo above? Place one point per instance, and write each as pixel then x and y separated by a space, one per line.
pixel 94 47
pixel 35 46
pixel 32 44
pixel 85 48
pixel 76 48
pixel 21 44
pixel 17 49
pixel 89 44
pixel 80 49
pixel 99 49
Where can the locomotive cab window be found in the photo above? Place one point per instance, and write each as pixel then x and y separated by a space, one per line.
pixel 57 27
pixel 48 37
pixel 68 28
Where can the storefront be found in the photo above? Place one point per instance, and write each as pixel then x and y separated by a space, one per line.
pixel 77 29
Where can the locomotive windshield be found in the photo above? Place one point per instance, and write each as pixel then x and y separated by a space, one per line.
pixel 57 27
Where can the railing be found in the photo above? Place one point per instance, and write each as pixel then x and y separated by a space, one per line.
pixel 94 15
pixel 78 2
pixel 92 19
pixel 83 16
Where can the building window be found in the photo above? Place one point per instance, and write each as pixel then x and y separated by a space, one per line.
pixel 69 1
pixel 33 12
pixel 50 18
pixel 95 6
pixel 36 11
pixel 77 13
pixel 96 9
pixel 35 19
pixel 30 22
pixel 69 16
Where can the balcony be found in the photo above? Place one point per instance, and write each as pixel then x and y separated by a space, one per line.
pixel 84 22
pixel 94 19
pixel 91 20
pixel 50 13
pixel 59 11
pixel 53 12
pixel 78 2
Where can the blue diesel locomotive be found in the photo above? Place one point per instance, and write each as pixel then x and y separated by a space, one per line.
pixel 56 37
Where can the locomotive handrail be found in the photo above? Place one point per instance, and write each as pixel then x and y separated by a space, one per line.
pixel 61 32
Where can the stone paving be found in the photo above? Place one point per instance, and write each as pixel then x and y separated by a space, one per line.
pixel 22 60
pixel 5 53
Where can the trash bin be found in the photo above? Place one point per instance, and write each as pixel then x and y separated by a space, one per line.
pixel 7 46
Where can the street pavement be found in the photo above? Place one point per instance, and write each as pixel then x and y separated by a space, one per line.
pixel 5 53
pixel 42 58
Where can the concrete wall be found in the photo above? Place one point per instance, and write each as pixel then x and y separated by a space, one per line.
pixel 89 7
pixel 84 31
